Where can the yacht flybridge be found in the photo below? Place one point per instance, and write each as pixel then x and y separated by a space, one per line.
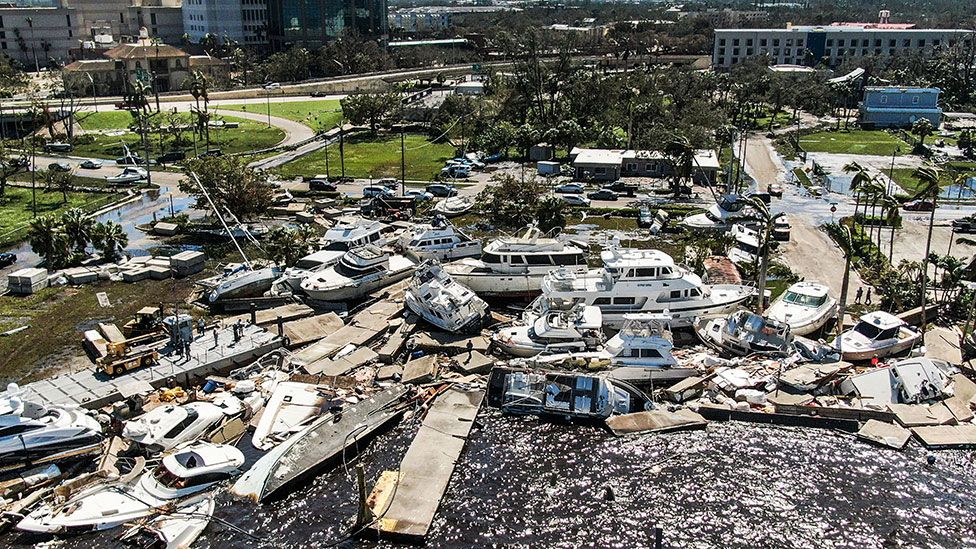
pixel 49 436
pixel 642 281
pixel 515 266
pixel 439 240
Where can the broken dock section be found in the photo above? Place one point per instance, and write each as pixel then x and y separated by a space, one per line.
pixel 406 501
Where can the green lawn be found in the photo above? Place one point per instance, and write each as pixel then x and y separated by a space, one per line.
pixel 319 115
pixel 376 156
pixel 802 177
pixel 104 120
pixel 874 142
pixel 15 208
pixel 248 136
pixel 906 180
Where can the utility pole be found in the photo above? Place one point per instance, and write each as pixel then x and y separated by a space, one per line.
pixel 403 165
pixel 94 91
pixel 33 166
pixel 342 150
pixel 267 96
pixel 30 23
pixel 327 174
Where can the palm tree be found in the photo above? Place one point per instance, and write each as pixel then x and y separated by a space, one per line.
pixel 110 238
pixel 682 155
pixel 846 243
pixel 922 128
pixel 78 227
pixel 767 220
pixel 860 180
pixel 49 241
pixel 892 206
pixel 929 177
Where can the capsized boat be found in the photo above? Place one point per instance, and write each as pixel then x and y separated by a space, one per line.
pixel 515 266
pixel 454 206
pixel 12 402
pixel 878 334
pixel 440 240
pixel 744 333
pixel 562 394
pixel 434 296
pixel 745 249
pixel 550 331
pixel 729 210
pixel 57 434
pixel 170 425
pixel 187 471
pixel 804 306
pixel 317 444
pixel 174 530
pixel 245 283
pixel 290 405
pixel 359 272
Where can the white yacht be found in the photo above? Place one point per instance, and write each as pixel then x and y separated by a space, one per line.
pixel 438 299
pixel 744 333
pixel 515 266
pixel 553 331
pixel 804 306
pixel 170 425
pixel 185 472
pixel 55 434
pixel 878 334
pixel 439 240
pixel 245 283
pixel 729 210
pixel 344 236
pixel 745 250
pixel 176 530
pixel 359 272
pixel 454 206
pixel 564 395
pixel 642 281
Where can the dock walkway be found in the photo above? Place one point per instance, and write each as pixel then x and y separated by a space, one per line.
pixel 89 388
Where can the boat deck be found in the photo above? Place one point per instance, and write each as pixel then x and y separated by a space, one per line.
pixel 91 389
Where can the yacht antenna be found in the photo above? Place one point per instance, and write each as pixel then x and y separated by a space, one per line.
pixel 247 262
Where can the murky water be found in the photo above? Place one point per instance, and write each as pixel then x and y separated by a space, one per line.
pixel 526 483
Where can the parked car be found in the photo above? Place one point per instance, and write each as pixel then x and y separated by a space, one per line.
pixel 7 259
pixel 91 164
pixel 441 191
pixel 455 171
pixel 58 147
pixel 621 187
pixel 376 190
pixel 602 194
pixel 388 182
pixel 569 188
pixel 321 184
pixel 272 86
pixel 418 195
pixel 171 157
pixel 576 200
pixel 775 189
pixel 318 93
pixel 130 160
pixel 211 152
pixel 59 167
pixel 919 205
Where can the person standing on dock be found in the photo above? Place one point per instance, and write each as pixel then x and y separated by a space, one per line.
pixel 867 297
pixel 215 338
pixel 858 295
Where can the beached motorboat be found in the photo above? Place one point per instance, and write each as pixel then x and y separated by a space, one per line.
pixel 562 394
pixel 57 434
pixel 12 402
pixel 245 283
pixel 317 444
pixel 174 530
pixel 359 272
pixel 642 281
pixel 729 210
pixel 745 249
pixel 434 296
pixel 454 206
pixel 185 472
pixel 549 331
pixel 804 306
pixel 170 425
pixel 290 405
pixel 126 176
pixel 515 266
pixel 744 333
pixel 878 334
pixel 438 240
pixel 344 236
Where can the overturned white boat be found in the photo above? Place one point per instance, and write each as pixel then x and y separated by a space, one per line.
pixel 878 334
pixel 438 240
pixel 745 249
pixel 359 272
pixel 170 425
pixel 174 530
pixel 291 404
pixel 454 206
pixel 729 210
pixel 549 331
pixel 245 283
pixel 744 333
pixel 805 306
pixel 434 296
pixel 56 434
pixel 187 471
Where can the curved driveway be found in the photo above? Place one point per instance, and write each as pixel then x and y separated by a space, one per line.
pixel 295 132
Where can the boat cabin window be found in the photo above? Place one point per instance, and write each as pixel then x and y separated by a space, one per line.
pixel 517 260
pixel 337 247
pixel 208 478
pixel 191 416
pixel 624 300
pixel 164 477
pixel 308 264
pixel 491 258
pixel 868 330
pixel 647 272
pixel 569 259
pixel 645 353
pixel 675 294
pixel 601 301
pixel 747 248
pixel 17 429
pixel 539 260
pixel 695 292
pixel 890 333
pixel 804 300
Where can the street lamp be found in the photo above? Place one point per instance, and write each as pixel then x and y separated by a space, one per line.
pixel 94 91
pixel 891 171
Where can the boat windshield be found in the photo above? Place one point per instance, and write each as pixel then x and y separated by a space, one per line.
pixel 867 329
pixel 804 300
pixel 308 264
pixel 339 246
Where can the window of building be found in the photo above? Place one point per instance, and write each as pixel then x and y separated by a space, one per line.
pixel 915 100
pixel 864 43
pixel 776 41
pixel 762 41
pixel 749 51
pixel 830 42
pixel 735 41
pixel 840 42
pixel 906 43
pixel 735 51
pixel 789 41
pixel 721 41
pixel 799 43
pixel 877 43
pixel 749 41
pixel 892 43
pixel 884 99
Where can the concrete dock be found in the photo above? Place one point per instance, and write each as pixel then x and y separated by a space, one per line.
pixel 89 388
pixel 408 511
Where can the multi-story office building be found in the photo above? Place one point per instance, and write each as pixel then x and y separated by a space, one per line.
pixel 315 22
pixel 243 21
pixel 830 45
pixel 35 34
pixel 162 18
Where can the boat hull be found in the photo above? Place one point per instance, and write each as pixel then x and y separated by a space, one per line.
pixel 359 289
pixel 501 285
pixel 470 323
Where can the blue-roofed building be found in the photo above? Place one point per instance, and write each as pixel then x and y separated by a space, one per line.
pixel 891 107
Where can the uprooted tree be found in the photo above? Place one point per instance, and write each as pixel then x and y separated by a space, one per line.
pixel 231 184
